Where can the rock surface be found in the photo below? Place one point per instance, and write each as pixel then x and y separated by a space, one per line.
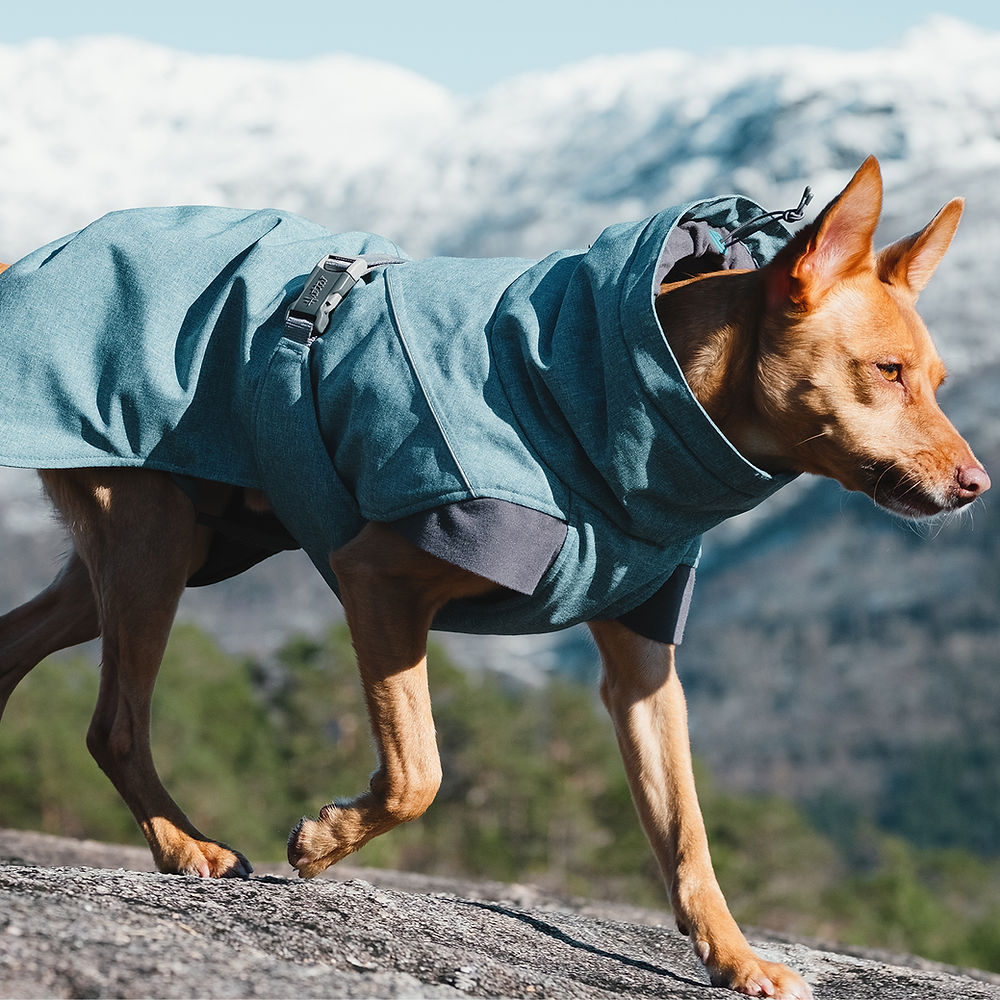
pixel 74 923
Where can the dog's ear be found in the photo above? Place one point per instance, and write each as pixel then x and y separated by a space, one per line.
pixel 910 262
pixel 838 243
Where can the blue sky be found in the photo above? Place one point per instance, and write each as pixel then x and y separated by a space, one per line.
pixel 469 45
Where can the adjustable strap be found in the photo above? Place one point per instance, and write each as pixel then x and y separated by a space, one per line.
pixel 755 225
pixel 325 288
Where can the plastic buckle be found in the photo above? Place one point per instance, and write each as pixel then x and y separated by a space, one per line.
pixel 325 288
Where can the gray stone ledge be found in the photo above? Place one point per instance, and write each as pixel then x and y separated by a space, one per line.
pixel 75 923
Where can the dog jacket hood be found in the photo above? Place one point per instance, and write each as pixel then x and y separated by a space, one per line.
pixel 155 337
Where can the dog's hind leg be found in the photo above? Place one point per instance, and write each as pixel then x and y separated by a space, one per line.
pixel 136 532
pixel 391 591
pixel 643 694
pixel 64 614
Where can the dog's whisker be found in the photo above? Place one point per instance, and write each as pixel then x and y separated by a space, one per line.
pixel 822 433
pixel 878 482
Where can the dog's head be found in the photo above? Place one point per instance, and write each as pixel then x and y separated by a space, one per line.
pixel 847 370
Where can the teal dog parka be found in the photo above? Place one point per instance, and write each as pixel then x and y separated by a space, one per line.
pixel 490 402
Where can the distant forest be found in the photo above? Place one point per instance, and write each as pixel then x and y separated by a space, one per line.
pixel 534 791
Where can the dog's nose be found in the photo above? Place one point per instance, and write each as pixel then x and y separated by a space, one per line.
pixel 972 481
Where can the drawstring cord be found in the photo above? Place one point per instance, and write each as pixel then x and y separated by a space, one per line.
pixel 755 225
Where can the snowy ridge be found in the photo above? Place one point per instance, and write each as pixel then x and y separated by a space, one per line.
pixel 111 122
pixel 541 161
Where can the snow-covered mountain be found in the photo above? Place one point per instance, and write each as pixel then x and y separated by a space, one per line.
pixel 545 161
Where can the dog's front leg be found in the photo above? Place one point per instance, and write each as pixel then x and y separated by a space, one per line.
pixel 642 692
pixel 391 591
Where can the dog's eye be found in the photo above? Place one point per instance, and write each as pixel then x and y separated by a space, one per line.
pixel 891 371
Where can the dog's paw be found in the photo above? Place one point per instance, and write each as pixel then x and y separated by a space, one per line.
pixel 204 858
pixel 753 977
pixel 314 845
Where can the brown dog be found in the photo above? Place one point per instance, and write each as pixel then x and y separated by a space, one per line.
pixel 817 363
